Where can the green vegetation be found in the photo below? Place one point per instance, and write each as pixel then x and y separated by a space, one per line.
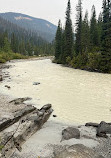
pixel 18 43
pixel 89 47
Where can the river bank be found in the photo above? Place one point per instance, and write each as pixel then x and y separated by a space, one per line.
pixel 46 143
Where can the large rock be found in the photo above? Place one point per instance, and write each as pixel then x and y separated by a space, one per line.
pixel 8 122
pixel 30 121
pixel 77 151
pixel 70 132
pixel 103 129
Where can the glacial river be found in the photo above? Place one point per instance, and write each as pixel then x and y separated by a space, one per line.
pixel 76 96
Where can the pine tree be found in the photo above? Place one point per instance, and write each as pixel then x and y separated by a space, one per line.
pixel 78 43
pixel 94 36
pixel 7 46
pixel 58 42
pixel 106 38
pixel 68 35
pixel 85 34
pixel 100 23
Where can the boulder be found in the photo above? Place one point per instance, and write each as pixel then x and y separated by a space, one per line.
pixel 77 151
pixel 8 122
pixel 70 132
pixel 103 129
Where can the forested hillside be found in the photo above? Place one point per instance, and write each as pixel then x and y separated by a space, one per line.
pixel 41 27
pixel 91 47
pixel 14 39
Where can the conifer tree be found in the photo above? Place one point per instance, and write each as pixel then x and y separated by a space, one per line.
pixel 85 34
pixel 68 35
pixel 58 42
pixel 94 37
pixel 106 38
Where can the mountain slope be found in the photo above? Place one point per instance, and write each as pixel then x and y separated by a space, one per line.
pixel 42 27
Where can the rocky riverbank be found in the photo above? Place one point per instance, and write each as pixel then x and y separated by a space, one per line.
pixel 24 135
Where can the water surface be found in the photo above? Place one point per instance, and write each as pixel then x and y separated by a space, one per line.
pixel 76 95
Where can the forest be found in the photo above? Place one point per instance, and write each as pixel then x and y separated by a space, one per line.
pixel 88 47
pixel 17 43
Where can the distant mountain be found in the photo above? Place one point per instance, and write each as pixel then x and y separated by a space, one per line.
pixel 41 27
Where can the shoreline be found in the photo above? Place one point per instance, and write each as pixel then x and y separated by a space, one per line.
pixel 52 143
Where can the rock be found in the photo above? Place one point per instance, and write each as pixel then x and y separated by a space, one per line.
pixel 103 129
pixel 46 107
pixel 36 83
pixel 92 124
pixel 20 100
pixel 54 115
pixel 70 132
pixel 8 122
pixel 1 79
pixel 27 126
pixel 77 151
pixel 7 86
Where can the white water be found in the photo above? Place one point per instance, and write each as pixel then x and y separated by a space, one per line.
pixel 76 96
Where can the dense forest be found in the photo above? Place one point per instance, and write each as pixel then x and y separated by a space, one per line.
pixel 89 46
pixel 16 42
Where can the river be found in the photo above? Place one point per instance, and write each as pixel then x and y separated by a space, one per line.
pixel 76 96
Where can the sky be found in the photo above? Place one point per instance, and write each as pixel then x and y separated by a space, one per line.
pixel 51 10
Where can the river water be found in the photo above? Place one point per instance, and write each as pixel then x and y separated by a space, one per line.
pixel 76 96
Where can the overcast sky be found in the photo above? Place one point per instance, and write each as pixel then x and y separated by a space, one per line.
pixel 51 10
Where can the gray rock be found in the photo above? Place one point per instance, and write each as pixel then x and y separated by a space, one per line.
pixel 92 124
pixel 8 122
pixel 46 107
pixel 36 83
pixel 103 129
pixel 77 151
pixel 70 132
pixel 20 100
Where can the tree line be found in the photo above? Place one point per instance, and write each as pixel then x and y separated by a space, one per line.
pixel 89 46
pixel 16 42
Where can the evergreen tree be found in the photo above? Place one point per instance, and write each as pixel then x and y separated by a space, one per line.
pixel 85 34
pixel 58 42
pixel 106 38
pixel 100 23
pixel 7 46
pixel 68 35
pixel 94 36
pixel 78 44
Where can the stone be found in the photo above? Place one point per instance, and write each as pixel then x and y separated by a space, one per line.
pixel 70 133
pixel 103 129
pixel 20 100
pixel 92 124
pixel 54 115
pixel 7 86
pixel 46 107
pixel 77 151
pixel 36 83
